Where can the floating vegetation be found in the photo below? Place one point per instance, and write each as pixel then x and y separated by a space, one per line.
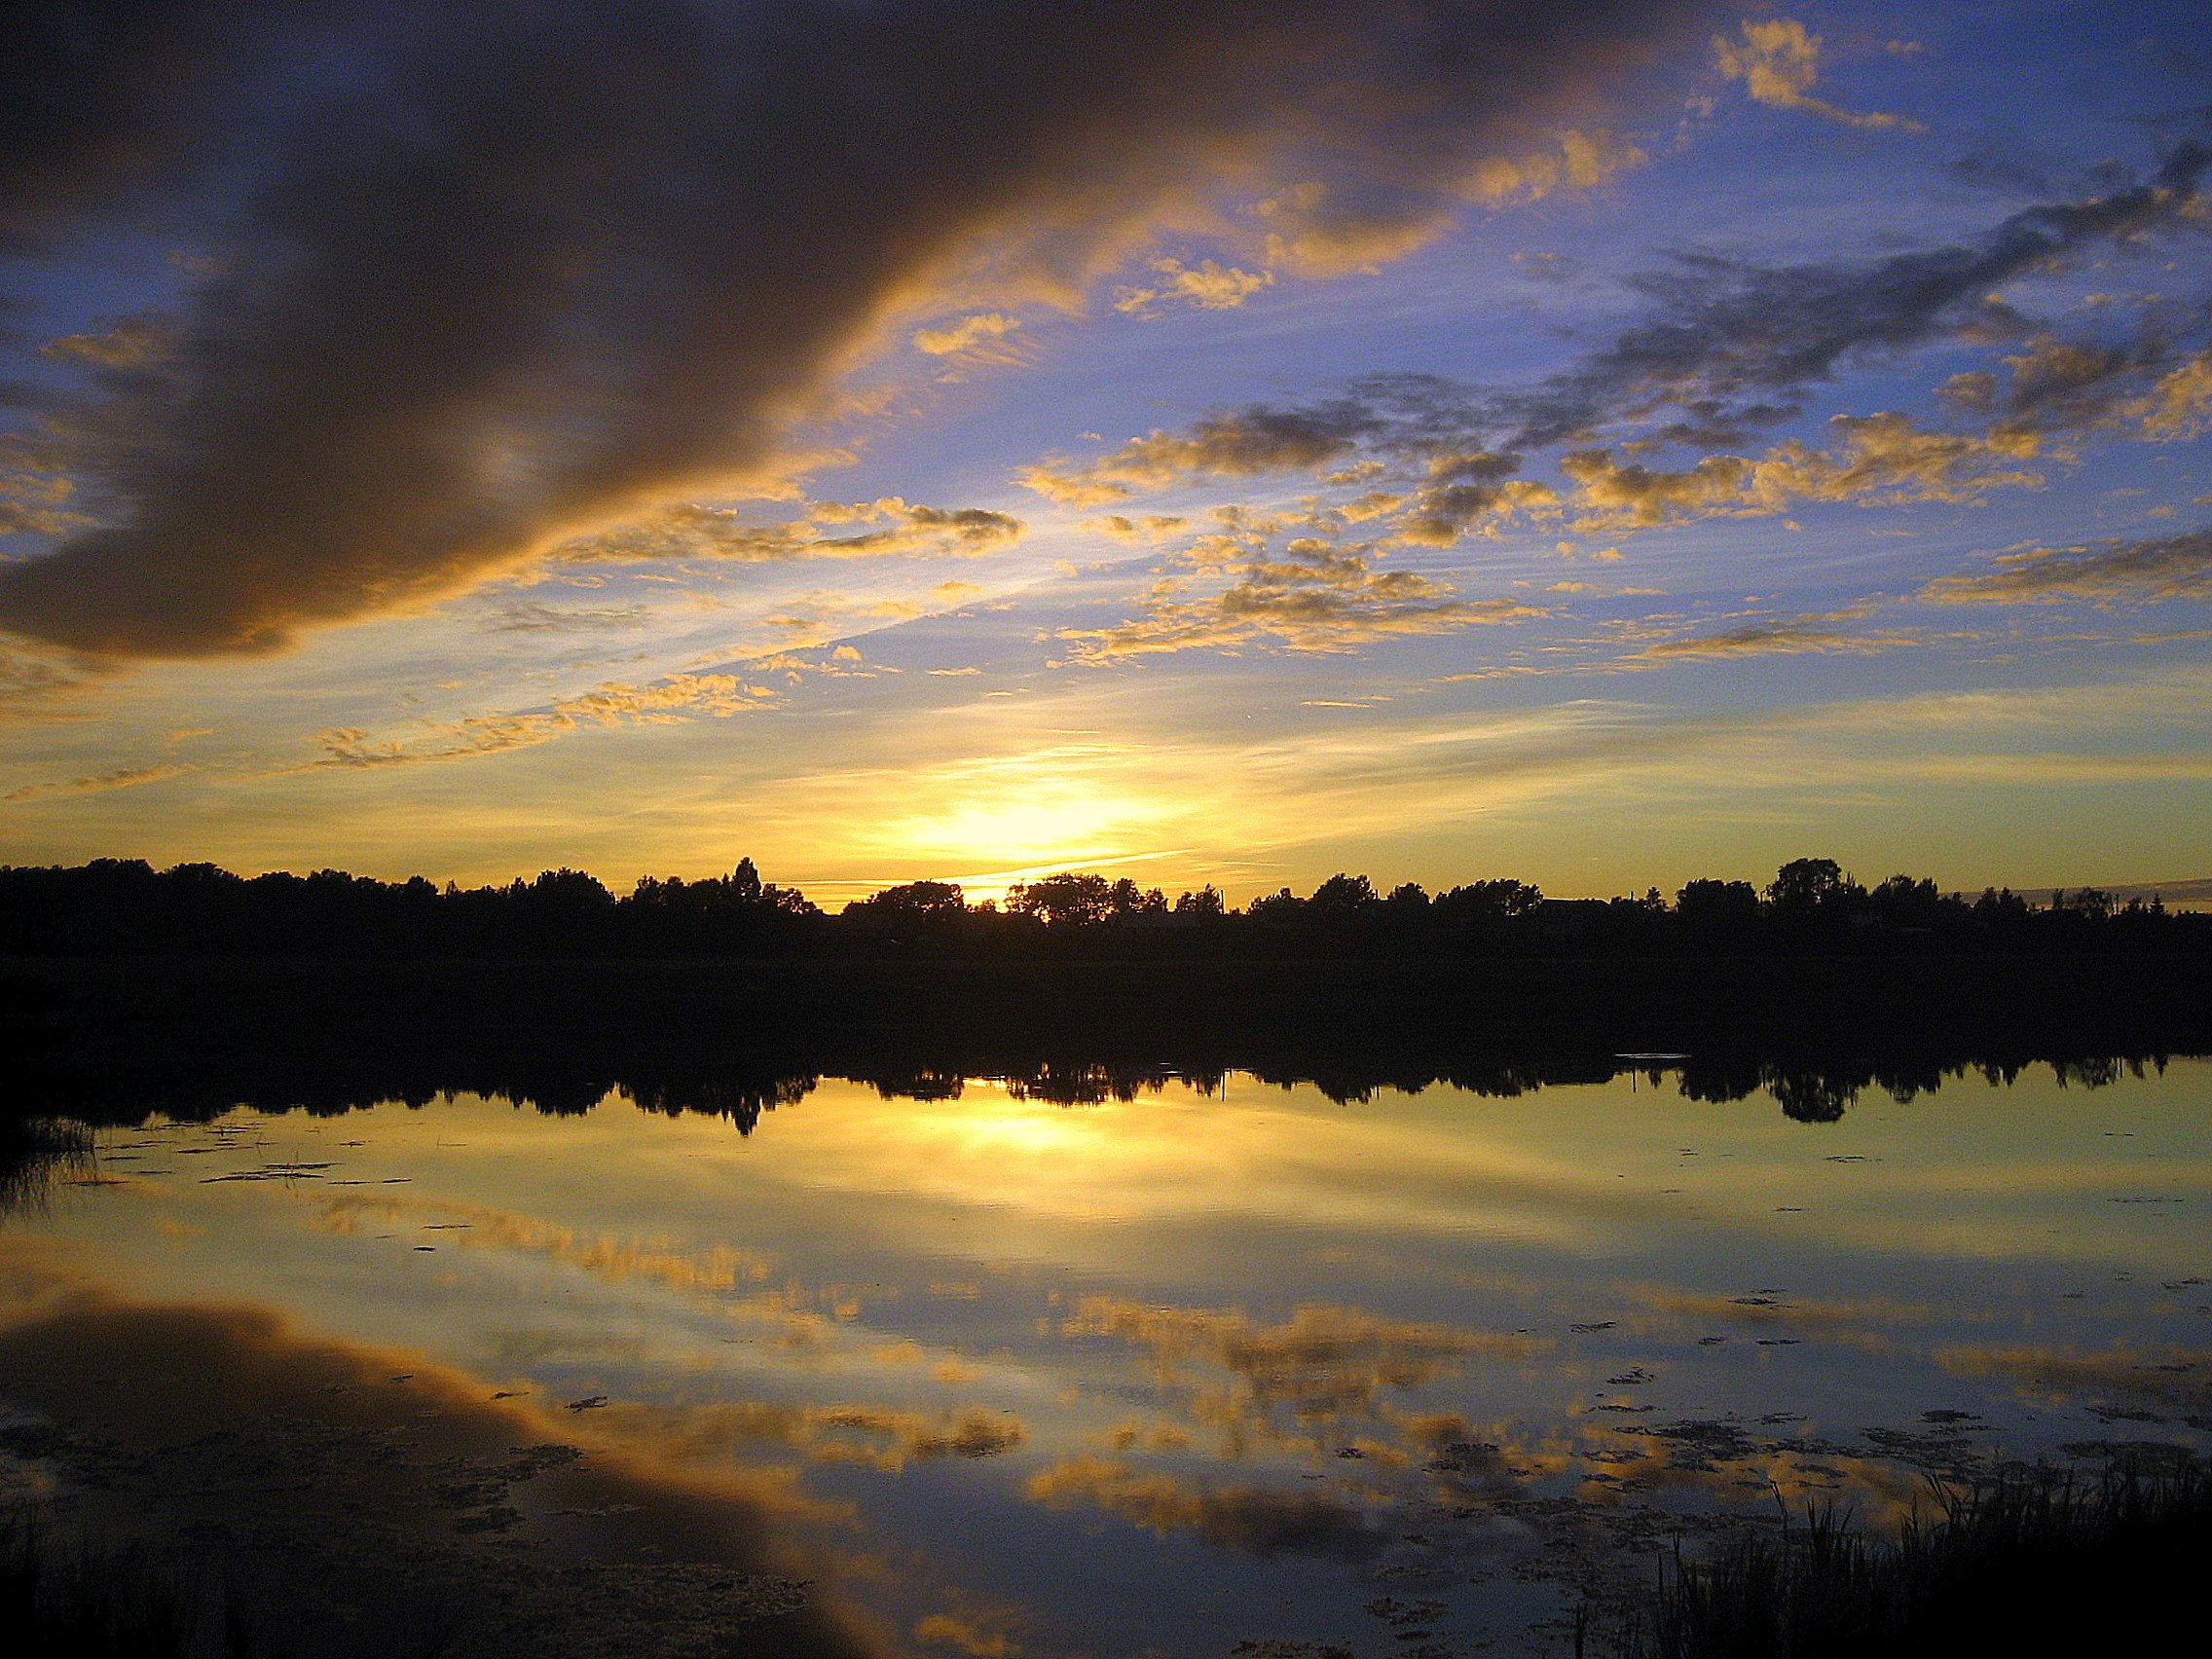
pixel 272 1172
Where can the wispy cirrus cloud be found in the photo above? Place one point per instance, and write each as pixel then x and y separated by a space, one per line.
pixel 1780 638
pixel 886 529
pixel 1729 336
pixel 1306 593
pixel 97 783
pixel 1321 227
pixel 2139 570
pixel 1729 345
pixel 1886 459
pixel 677 697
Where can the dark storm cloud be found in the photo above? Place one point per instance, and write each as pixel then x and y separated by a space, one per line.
pixel 521 270
pixel 98 94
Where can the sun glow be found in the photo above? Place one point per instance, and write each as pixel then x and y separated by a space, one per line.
pixel 1013 817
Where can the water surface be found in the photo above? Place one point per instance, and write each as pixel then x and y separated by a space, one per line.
pixel 1220 1363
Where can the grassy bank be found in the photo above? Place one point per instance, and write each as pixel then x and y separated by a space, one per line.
pixel 2027 1563
pixel 35 1153
pixel 61 1601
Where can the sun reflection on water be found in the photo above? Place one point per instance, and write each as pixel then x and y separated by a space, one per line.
pixel 1280 1351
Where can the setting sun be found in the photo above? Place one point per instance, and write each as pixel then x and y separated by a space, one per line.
pixel 1105 829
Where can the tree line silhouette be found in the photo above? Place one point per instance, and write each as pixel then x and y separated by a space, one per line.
pixel 38 1147
pixel 1805 1089
pixel 125 906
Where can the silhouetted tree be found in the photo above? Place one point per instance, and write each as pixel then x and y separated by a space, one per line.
pixel 121 907
pixel 1204 904
pixel 1717 905
pixel 1068 899
pixel 915 905
pixel 2093 904
pixel 1900 902
pixel 1809 887
pixel 1342 898
pixel 1488 901
pixel 1809 1096
pixel 787 901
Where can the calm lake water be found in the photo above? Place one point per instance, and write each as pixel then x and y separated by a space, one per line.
pixel 998 1375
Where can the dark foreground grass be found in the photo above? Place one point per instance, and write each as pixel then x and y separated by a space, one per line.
pixel 2025 1563
pixel 63 1601
pixel 34 1154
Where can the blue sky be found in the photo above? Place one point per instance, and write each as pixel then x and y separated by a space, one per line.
pixel 1679 441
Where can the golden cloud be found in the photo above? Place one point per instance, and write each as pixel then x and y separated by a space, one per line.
pixel 121 778
pixel 1778 64
pixel 2180 405
pixel 1239 444
pixel 694 532
pixel 1311 596
pixel 1778 639
pixel 675 697
pixel 1207 285
pixel 1250 1520
pixel 1323 1360
pixel 982 334
pixel 1876 459
pixel 873 1437
pixel 2144 570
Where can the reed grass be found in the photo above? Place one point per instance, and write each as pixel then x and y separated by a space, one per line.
pixel 35 1153
pixel 74 1601
pixel 2025 1562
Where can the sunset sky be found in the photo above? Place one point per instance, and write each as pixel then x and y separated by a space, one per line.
pixel 1229 440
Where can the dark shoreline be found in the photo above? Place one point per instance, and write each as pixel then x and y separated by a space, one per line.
pixel 111 1041
pixel 118 1035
